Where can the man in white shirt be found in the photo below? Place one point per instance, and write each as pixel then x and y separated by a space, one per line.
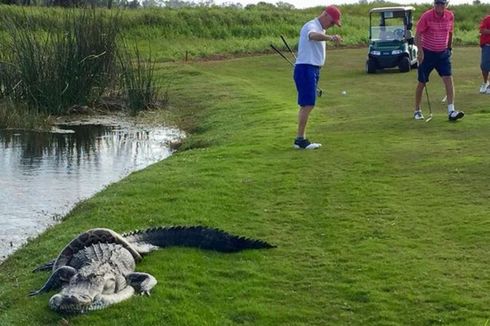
pixel 311 57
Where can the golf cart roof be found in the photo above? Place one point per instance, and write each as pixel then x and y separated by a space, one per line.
pixel 385 9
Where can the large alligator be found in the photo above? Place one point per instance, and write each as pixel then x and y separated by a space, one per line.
pixel 97 268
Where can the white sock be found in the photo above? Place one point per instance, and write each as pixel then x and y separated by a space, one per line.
pixel 450 108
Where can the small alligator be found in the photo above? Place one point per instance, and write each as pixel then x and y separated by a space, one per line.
pixel 97 268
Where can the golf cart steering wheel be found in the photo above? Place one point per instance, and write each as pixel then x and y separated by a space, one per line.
pixel 399 33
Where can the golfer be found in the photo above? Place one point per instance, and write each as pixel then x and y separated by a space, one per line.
pixel 433 38
pixel 485 53
pixel 311 57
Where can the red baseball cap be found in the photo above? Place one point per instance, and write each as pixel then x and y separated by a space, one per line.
pixel 335 14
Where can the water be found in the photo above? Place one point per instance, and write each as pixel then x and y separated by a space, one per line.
pixel 43 175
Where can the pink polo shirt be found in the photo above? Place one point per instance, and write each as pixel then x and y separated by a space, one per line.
pixel 435 30
pixel 485 38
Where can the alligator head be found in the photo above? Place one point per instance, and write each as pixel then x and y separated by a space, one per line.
pixel 92 287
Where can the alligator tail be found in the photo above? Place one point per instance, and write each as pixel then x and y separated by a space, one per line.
pixel 192 236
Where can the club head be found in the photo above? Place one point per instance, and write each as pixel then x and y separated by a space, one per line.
pixel 319 92
pixel 429 118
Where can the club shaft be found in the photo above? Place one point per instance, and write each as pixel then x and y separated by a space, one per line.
pixel 428 100
pixel 287 45
pixel 282 55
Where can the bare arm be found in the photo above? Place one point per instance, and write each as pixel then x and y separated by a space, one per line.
pixel 418 43
pixel 484 31
pixel 450 40
pixel 316 36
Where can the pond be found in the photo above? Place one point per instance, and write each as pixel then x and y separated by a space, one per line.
pixel 43 175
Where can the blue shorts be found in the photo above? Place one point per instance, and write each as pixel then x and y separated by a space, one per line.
pixel 485 57
pixel 306 78
pixel 441 61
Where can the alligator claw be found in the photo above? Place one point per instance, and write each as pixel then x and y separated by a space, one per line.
pixel 33 293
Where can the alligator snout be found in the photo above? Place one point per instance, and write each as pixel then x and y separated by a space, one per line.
pixel 80 299
pixel 69 302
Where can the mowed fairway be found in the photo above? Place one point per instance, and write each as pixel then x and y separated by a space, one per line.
pixel 387 224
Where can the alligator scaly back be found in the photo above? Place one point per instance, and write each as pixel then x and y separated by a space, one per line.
pixel 191 236
pixel 93 236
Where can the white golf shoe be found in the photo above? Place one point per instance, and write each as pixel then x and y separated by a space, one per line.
pixel 305 144
pixel 484 88
pixel 417 115
pixel 455 115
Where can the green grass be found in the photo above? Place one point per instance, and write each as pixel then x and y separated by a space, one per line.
pixel 386 224
pixel 204 31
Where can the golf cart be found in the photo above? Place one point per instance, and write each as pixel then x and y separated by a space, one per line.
pixel 391 43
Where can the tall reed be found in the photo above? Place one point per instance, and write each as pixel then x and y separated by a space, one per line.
pixel 137 79
pixel 54 70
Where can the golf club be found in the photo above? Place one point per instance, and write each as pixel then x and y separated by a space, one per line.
pixel 319 91
pixel 428 101
pixel 287 45
pixel 282 55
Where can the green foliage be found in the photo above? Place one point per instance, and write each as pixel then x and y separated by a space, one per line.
pixel 72 62
pixel 19 117
pixel 220 31
pixel 210 31
pixel 54 70
pixel 138 81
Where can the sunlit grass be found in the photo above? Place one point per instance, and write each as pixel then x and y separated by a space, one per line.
pixel 386 224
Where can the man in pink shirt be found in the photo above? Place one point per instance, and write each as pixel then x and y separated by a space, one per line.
pixel 485 53
pixel 433 38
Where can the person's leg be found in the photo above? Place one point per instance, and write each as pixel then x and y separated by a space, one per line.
pixel 453 114
pixel 444 68
pixel 423 73
pixel 449 85
pixel 484 75
pixel 418 95
pixel 303 114
pixel 306 79
pixel 485 68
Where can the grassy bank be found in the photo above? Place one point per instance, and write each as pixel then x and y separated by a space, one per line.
pixel 386 224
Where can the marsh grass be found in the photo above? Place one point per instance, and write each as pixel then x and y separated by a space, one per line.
pixel 83 58
pixel 18 117
pixel 138 81
pixel 52 71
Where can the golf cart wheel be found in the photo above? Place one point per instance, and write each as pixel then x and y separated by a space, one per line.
pixel 370 67
pixel 404 65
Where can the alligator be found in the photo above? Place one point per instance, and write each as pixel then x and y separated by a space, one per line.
pixel 97 268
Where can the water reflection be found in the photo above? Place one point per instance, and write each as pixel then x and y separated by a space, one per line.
pixel 42 175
